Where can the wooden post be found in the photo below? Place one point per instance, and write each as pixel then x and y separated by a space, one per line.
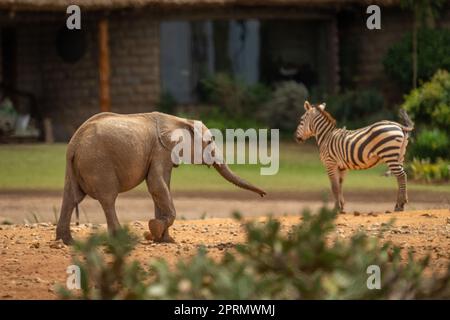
pixel 104 67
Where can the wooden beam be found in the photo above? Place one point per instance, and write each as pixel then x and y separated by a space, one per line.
pixel 104 67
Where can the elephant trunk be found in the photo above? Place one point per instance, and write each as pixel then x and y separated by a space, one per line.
pixel 225 172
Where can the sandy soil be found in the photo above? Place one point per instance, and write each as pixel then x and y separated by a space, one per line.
pixel 43 206
pixel 31 263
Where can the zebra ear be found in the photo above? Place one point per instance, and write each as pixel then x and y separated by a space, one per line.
pixel 307 106
pixel 322 106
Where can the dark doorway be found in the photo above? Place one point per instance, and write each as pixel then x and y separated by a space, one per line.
pixel 9 63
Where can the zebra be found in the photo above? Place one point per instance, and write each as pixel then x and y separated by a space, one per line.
pixel 342 150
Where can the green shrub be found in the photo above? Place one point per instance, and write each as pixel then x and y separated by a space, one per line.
pixel 425 171
pixel 285 107
pixel 216 118
pixel 234 97
pixel 105 273
pixel 273 264
pixel 433 47
pixel 167 103
pixel 355 109
pixel 429 105
pixel 430 144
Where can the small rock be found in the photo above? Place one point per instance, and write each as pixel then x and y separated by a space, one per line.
pixel 35 245
pixel 58 244
pixel 356 213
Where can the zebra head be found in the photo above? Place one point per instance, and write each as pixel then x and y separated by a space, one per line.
pixel 305 128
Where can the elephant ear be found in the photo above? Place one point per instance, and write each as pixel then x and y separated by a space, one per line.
pixel 173 130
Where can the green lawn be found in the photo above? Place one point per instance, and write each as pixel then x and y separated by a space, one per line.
pixel 42 167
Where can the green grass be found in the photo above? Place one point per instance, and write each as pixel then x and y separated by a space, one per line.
pixel 42 167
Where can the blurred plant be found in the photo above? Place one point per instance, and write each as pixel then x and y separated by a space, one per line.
pixel 429 105
pixel 355 109
pixel 235 98
pixel 216 118
pixel 307 262
pixel 167 103
pixel 430 144
pixel 433 54
pixel 105 273
pixel 425 13
pixel 285 107
pixel 425 171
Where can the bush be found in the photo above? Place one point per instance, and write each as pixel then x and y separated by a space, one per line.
pixel 429 105
pixel 216 118
pixel 355 109
pixel 285 107
pixel 430 144
pixel 234 97
pixel 167 103
pixel 302 264
pixel 425 171
pixel 433 47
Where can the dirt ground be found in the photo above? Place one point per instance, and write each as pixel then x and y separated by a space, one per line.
pixel 31 263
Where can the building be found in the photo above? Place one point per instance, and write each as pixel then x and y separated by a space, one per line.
pixel 129 51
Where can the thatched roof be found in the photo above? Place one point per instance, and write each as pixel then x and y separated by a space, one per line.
pixel 122 4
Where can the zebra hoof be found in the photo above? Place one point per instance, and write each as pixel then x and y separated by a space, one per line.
pixel 399 208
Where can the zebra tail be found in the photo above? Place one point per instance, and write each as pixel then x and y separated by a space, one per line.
pixel 407 120
pixel 406 129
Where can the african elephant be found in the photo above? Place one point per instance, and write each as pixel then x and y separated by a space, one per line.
pixel 113 153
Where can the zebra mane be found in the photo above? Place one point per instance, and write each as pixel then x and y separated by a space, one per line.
pixel 328 116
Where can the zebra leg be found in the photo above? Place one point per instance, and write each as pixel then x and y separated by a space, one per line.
pixel 402 198
pixel 333 174
pixel 342 173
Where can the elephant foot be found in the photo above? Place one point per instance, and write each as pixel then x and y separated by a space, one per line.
pixel 159 231
pixel 65 237
pixel 165 239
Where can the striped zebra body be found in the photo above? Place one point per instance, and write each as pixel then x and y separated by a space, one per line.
pixel 342 150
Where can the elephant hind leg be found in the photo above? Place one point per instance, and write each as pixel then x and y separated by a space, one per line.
pixel 108 203
pixel 72 196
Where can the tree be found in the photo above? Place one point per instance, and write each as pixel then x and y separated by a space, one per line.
pixel 425 13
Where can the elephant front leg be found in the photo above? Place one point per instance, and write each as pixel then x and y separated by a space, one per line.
pixel 158 183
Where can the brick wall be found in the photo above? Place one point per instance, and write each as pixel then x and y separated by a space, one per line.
pixel 69 93
pixel 135 83
pixel 365 49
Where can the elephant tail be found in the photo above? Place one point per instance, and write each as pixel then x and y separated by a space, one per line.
pixel 74 190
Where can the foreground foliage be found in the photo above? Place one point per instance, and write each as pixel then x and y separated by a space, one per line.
pixel 307 262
